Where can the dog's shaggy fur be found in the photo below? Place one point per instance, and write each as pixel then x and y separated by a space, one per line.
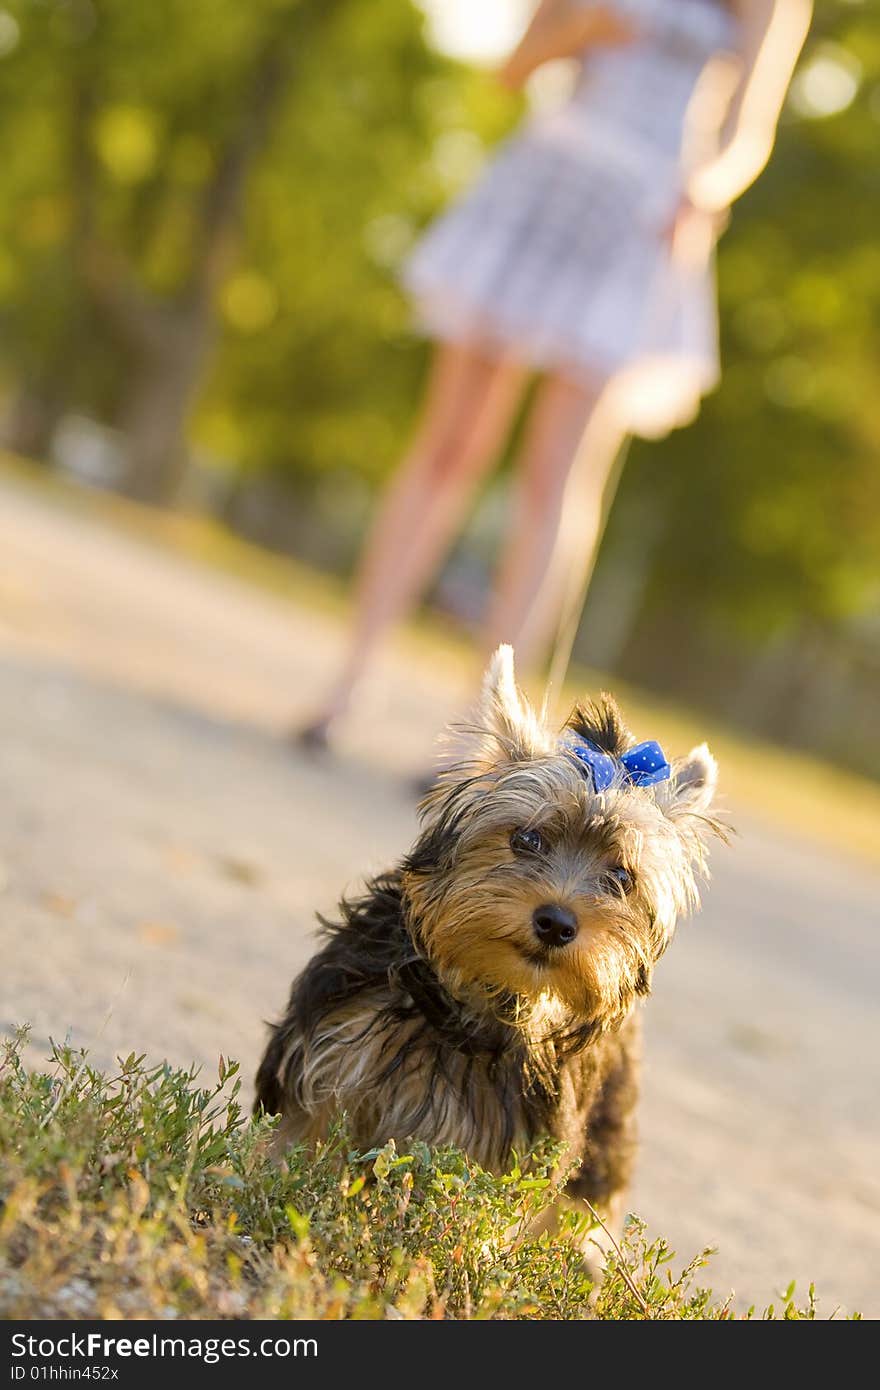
pixel 436 1011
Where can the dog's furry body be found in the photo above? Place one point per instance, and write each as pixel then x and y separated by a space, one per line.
pixel 435 1010
pixel 371 1030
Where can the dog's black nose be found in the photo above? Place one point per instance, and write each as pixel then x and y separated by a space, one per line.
pixel 555 925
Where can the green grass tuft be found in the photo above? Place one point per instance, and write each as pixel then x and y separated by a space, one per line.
pixel 146 1194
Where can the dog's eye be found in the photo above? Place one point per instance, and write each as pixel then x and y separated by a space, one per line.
pixel 527 841
pixel 620 878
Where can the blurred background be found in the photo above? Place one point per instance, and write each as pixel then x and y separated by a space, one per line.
pixel 207 370
pixel 202 209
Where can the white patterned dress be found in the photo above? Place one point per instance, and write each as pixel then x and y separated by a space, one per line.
pixel 558 254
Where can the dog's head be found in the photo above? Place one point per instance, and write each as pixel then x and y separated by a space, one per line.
pixel 552 868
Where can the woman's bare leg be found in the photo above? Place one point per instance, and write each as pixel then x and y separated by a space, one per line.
pixel 468 409
pixel 557 516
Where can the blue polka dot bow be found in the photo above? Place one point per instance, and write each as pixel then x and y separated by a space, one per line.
pixel 642 766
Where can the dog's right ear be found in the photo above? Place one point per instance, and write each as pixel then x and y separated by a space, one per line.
pixel 503 710
pixel 504 728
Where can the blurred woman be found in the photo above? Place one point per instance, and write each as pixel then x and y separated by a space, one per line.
pixel 585 252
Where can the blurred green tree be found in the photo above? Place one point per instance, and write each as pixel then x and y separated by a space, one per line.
pixel 181 166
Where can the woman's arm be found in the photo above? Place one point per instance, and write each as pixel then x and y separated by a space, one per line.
pixel 562 29
pixel 773 33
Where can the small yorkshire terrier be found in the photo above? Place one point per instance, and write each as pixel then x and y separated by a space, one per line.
pixel 483 993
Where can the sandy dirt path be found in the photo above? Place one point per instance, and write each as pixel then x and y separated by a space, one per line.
pixel 162 855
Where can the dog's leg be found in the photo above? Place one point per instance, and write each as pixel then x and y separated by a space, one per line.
pixel 273 1096
pixel 609 1152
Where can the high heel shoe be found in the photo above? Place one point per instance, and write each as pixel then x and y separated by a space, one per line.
pixel 313 737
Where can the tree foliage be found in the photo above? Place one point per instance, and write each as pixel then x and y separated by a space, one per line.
pixel 151 215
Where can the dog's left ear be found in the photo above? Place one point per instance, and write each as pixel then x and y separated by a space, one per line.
pixel 691 788
pixel 686 800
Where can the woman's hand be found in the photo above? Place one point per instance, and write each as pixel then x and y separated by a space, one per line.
pixel 514 73
pixel 564 29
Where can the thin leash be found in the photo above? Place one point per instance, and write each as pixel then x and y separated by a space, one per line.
pixel 573 607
